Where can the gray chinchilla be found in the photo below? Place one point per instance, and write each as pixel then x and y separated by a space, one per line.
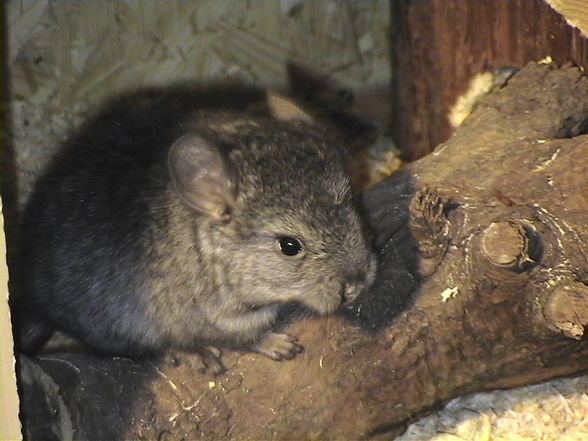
pixel 158 230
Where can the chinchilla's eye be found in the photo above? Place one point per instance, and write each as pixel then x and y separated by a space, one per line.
pixel 290 246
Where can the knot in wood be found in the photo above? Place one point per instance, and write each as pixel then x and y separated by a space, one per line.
pixel 566 310
pixel 506 244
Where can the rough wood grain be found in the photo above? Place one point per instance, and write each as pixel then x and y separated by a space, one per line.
pixel 449 314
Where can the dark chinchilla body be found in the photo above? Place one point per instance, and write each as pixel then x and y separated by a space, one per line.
pixel 155 230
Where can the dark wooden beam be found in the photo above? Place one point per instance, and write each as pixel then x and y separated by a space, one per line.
pixel 439 45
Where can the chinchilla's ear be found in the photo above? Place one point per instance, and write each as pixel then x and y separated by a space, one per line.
pixel 284 109
pixel 201 176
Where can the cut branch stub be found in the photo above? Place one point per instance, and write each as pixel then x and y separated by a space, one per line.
pixel 430 226
pixel 566 310
pixel 508 244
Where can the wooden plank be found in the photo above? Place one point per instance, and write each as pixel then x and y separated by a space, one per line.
pixel 439 45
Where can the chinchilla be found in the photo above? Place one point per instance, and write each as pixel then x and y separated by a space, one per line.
pixel 159 230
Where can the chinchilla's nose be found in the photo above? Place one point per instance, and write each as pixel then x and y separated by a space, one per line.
pixel 357 280
pixel 353 285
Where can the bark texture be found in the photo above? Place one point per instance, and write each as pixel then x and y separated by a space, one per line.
pixel 483 284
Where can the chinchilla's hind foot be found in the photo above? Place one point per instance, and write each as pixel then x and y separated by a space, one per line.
pixel 278 346
pixel 210 357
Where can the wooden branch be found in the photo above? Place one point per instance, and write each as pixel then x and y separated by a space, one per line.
pixel 483 284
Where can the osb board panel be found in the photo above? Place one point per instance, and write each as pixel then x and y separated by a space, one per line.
pixel 9 423
pixel 574 11
pixel 440 45
pixel 65 58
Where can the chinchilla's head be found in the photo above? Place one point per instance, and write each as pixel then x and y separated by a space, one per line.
pixel 274 207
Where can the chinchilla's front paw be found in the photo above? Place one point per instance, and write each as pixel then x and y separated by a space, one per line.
pixel 278 346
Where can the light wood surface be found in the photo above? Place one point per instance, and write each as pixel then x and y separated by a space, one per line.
pixel 9 423
pixel 574 11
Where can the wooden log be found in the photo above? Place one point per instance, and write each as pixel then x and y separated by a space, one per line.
pixel 482 284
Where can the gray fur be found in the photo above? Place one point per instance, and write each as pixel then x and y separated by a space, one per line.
pixel 122 253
